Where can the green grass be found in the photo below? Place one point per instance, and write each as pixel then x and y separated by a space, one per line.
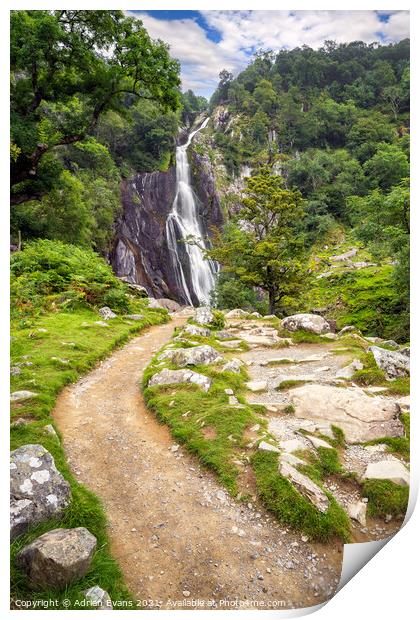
pixel 302 336
pixel 280 362
pixel 204 422
pixel 294 510
pixel 399 387
pixel 385 497
pixel 81 347
pixel 290 383
pixel 289 409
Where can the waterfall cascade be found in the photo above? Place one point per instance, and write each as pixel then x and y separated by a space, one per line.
pixel 183 223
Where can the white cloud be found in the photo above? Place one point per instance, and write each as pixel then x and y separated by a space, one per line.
pixel 242 32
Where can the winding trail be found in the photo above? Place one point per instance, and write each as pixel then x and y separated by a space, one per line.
pixel 176 534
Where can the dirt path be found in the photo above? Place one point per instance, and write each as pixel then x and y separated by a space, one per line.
pixel 176 534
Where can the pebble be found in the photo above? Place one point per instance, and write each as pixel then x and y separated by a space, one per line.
pixel 186 592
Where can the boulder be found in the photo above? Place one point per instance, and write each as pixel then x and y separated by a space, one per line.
pixel 37 489
pixel 357 511
pixel 305 486
pixel 15 371
pixel 237 313
pixel 58 558
pixel 98 598
pixel 393 363
pixel 391 469
pixel 361 417
pixel 204 315
pixel 390 343
pixel 317 442
pixel 195 330
pixel 204 354
pixel 233 365
pixel 345 256
pixel 106 313
pixel 291 445
pixel 313 323
pixel 224 335
pixel 163 302
pixel 168 377
pixel 348 371
pixel 256 386
pixel 20 395
pixel 267 447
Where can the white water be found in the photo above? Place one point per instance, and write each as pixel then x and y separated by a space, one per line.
pixel 183 221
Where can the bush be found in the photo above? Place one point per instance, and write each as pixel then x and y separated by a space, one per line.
pixel 52 273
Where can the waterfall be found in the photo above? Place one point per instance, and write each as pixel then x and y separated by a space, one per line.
pixel 182 223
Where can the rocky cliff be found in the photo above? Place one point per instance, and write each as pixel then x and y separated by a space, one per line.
pixel 140 251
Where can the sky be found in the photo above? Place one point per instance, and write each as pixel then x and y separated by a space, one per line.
pixel 205 42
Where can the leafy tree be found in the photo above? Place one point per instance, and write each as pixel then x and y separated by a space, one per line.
pixel 68 67
pixel 387 166
pixel 262 246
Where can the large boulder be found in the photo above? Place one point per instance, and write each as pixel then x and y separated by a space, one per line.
pixel 169 377
pixel 305 486
pixel 391 469
pixel 37 489
pixel 361 417
pixel 203 315
pixel 233 365
pixel 313 323
pixel 168 304
pixel 58 558
pixel 16 397
pixel 204 354
pixel 106 313
pixel 195 330
pixel 237 313
pixel 393 363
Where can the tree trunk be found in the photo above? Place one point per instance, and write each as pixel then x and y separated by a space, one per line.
pixel 272 301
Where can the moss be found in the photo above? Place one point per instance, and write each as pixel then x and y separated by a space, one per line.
pixel 289 409
pixel 290 383
pixel 339 437
pixel 293 509
pixel 399 387
pixel 386 497
pixel 369 377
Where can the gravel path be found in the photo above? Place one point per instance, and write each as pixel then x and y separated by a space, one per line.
pixel 177 535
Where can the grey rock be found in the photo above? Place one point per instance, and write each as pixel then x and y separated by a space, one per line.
pixel 237 313
pixel 204 354
pixel 20 395
pixel 305 486
pixel 256 386
pixel 49 428
pixel 349 329
pixel 267 447
pixel 134 317
pixel 195 330
pixel 391 469
pixel 233 365
pixel 58 558
pixel 168 377
pixel 15 371
pixel 345 256
pixel 98 598
pixel 37 489
pixel 313 323
pixel 361 417
pixel 357 511
pixel 348 371
pixel 224 335
pixel 391 343
pixel 106 313
pixel 393 363
pixel 203 316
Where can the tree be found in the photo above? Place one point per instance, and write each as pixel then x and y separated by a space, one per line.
pixel 387 167
pixel 67 69
pixel 262 246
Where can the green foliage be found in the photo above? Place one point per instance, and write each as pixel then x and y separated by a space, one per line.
pixel 386 498
pixel 290 383
pixel 51 273
pixel 291 508
pixel 266 250
pixel 218 321
pixel 231 292
pixel 68 68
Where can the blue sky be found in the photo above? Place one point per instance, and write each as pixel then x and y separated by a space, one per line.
pixel 205 42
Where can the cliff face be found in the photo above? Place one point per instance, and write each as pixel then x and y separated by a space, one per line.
pixel 140 251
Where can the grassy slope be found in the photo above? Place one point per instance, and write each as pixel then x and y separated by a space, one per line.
pixel 67 339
